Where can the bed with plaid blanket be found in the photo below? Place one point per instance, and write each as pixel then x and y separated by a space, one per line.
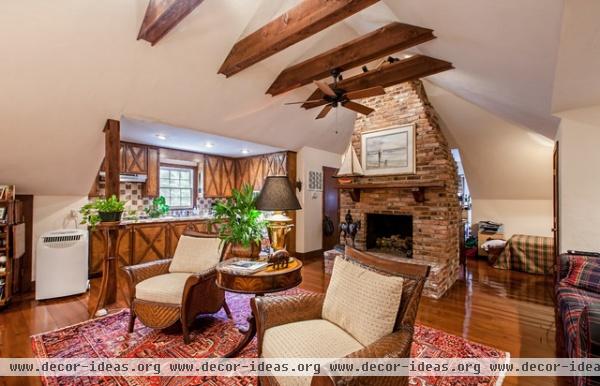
pixel 533 254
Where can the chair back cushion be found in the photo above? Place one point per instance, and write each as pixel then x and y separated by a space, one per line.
pixel 361 301
pixel 584 273
pixel 196 254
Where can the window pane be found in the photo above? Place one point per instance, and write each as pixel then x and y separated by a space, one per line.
pixel 186 202
pixel 176 186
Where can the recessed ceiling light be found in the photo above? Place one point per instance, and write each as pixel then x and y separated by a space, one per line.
pixel 245 151
pixel 209 144
pixel 161 136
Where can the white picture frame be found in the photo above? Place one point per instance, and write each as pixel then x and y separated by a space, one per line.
pixel 390 150
pixel 315 180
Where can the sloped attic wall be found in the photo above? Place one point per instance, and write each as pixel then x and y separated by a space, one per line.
pixel 579 179
pixel 508 168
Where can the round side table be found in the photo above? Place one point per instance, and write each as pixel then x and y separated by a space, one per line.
pixel 258 284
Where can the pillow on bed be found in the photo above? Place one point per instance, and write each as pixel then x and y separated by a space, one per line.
pixel 584 273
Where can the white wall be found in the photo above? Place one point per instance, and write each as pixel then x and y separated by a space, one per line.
pixel 54 212
pixel 579 180
pixel 309 219
pixel 528 217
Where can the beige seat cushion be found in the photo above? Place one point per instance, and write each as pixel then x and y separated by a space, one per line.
pixel 362 302
pixel 307 339
pixel 196 254
pixel 167 288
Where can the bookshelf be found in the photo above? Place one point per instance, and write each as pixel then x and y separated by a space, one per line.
pixel 11 215
pixel 5 265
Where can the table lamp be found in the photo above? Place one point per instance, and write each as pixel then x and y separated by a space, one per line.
pixel 277 195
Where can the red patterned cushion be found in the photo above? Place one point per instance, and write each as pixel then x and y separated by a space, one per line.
pixel 584 273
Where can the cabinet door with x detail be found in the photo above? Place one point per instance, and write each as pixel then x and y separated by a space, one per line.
pixel 150 242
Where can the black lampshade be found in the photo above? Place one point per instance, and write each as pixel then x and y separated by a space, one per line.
pixel 277 194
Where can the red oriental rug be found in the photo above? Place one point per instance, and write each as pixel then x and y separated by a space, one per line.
pixel 214 335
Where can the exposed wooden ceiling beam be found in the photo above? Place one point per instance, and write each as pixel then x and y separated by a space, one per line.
pixel 384 41
pixel 162 15
pixel 405 70
pixel 300 22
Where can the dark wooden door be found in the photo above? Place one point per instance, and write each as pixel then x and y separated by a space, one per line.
pixel 555 229
pixel 331 207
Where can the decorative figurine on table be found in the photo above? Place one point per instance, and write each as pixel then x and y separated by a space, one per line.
pixel 349 228
pixel 279 259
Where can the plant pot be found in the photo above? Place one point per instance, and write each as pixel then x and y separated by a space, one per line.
pixel 250 252
pixel 110 216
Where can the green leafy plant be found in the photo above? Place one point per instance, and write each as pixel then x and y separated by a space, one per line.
pixel 158 208
pixel 91 210
pixel 239 219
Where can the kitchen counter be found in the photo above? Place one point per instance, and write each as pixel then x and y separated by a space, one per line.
pixel 144 240
pixel 167 219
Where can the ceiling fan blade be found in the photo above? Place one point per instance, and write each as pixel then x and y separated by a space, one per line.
pixel 325 88
pixel 312 104
pixel 302 102
pixel 358 107
pixel 324 112
pixel 365 93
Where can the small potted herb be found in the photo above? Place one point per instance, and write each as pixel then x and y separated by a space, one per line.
pixel 239 223
pixel 102 210
pixel 158 208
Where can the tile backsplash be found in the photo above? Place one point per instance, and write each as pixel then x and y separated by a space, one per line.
pixel 132 194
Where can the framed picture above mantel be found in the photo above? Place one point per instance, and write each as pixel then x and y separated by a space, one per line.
pixel 388 151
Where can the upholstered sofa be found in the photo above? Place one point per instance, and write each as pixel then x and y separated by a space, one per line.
pixel 577 317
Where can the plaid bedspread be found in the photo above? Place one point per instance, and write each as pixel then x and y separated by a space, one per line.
pixel 533 254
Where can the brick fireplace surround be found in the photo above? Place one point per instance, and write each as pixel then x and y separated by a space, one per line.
pixel 436 220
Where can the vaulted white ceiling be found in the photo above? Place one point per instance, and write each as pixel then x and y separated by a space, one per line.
pixel 68 65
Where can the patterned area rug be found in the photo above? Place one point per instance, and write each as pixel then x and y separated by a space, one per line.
pixel 213 336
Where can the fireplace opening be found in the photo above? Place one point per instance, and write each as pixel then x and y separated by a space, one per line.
pixel 390 233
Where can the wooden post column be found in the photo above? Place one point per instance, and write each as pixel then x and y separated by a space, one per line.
pixel 292 176
pixel 112 156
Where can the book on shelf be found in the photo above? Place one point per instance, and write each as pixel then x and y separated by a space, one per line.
pixel 246 266
pixel 7 192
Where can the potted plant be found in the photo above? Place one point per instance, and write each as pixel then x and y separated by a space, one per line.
pixel 102 210
pixel 240 224
pixel 158 208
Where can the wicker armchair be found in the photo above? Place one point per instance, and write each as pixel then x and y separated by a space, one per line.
pixel 165 291
pixel 281 311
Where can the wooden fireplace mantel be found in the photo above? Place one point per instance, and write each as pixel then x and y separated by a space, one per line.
pixel 417 188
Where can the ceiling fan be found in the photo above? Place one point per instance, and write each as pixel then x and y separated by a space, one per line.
pixel 335 96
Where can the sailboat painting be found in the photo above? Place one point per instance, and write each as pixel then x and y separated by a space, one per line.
pixel 389 151
pixel 350 165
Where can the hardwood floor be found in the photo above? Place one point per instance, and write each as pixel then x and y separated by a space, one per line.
pixel 508 310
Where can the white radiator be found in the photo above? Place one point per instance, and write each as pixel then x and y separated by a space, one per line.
pixel 61 264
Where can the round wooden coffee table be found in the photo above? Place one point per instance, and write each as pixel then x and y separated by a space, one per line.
pixel 258 284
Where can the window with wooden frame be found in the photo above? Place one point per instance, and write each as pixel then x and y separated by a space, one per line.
pixel 178 186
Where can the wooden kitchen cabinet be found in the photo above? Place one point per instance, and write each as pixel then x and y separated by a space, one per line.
pixel 140 243
pixel 150 242
pixel 151 187
pixel 176 229
pixel 219 176
pixel 97 250
pixel 254 170
pixel 134 158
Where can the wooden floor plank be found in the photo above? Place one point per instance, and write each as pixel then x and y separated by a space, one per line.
pixel 511 311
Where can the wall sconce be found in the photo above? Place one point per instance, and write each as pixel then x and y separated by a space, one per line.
pixel 299 185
